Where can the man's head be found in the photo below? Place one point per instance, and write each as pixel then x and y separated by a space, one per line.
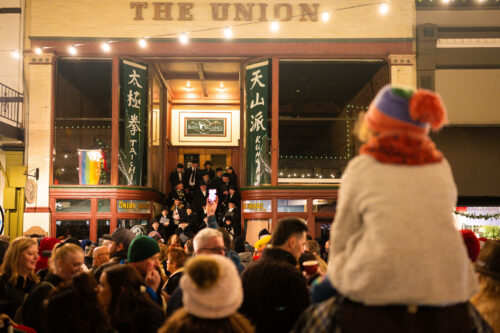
pixel 164 211
pixel 230 170
pixel 218 171
pixel 177 201
pixel 195 163
pixel 290 235
pixel 179 186
pixel 121 240
pixel 207 165
pixel 100 256
pixel 143 254
pixel 180 167
pixel 155 225
pixel 225 177
pixel 209 241
pixel 206 178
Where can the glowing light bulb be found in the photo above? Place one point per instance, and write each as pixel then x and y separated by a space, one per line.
pixel 72 50
pixel 38 50
pixel 143 43
pixel 275 26
pixel 183 38
pixel 15 54
pixel 105 47
pixel 384 9
pixel 228 33
pixel 325 17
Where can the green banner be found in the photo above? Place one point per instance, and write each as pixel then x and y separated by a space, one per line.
pixel 134 87
pixel 257 106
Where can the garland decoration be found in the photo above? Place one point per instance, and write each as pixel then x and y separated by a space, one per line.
pixel 479 216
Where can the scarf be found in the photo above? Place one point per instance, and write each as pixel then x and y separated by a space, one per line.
pixel 402 148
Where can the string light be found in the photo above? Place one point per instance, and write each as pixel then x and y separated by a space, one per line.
pixel 183 38
pixel 325 17
pixel 143 43
pixel 105 47
pixel 384 9
pixel 15 54
pixel 275 26
pixel 228 33
pixel 72 50
pixel 38 50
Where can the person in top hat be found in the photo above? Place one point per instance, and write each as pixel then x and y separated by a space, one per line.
pixel 177 192
pixel 177 176
pixel 487 300
pixel 200 197
pixel 208 169
pixel 193 176
pixel 177 213
pixel 231 220
pixel 216 182
pixel 233 179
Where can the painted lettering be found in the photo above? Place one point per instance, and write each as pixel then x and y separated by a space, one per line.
pixel 138 9
pixel 220 11
pixel 245 12
pixel 185 11
pixel 288 12
pixel 162 11
pixel 307 11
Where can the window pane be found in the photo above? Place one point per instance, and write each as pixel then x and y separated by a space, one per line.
pixel 292 205
pixel 79 229
pixel 253 227
pixel 324 205
pixel 319 102
pixel 139 227
pixel 73 205
pixel 325 224
pixel 102 228
pixel 82 122
pixel 103 205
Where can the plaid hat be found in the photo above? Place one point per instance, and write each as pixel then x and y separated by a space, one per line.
pixel 403 109
pixel 205 279
pixel 141 248
pixel 488 262
pixel 123 236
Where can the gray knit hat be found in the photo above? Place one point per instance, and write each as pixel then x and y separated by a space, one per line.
pixel 123 236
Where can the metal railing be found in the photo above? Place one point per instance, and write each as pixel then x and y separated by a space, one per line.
pixel 10 105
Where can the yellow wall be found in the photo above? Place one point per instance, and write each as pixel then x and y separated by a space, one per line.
pixel 13 196
pixel 115 18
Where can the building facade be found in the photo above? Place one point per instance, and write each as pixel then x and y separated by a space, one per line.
pixel 120 92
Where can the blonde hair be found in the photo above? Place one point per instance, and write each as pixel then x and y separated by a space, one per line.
pixel 62 250
pixel 487 300
pixel 9 267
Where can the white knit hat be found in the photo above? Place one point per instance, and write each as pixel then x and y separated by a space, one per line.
pixel 211 287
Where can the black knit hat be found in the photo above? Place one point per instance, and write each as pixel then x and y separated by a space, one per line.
pixel 488 262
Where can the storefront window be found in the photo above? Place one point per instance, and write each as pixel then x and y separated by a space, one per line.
pixel 323 226
pixel 102 228
pixel 253 227
pixel 79 229
pixel 139 227
pixel 319 102
pixel 292 205
pixel 82 122
pixel 324 205
pixel 103 205
pixel 257 206
pixel 73 205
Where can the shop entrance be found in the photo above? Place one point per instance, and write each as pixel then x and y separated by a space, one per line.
pixel 220 157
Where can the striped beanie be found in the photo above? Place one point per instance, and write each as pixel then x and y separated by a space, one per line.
pixel 397 109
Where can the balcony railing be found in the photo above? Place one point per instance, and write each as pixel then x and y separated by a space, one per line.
pixel 11 102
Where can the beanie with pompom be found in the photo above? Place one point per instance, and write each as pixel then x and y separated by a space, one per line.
pixel 211 287
pixel 397 109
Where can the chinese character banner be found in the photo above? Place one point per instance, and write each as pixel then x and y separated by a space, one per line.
pixel 257 106
pixel 134 85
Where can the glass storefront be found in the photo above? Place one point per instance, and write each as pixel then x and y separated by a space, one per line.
pixel 79 229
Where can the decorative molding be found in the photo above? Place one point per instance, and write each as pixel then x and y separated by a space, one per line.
pixel 402 59
pixel 40 59
pixel 37 210
pixel 443 43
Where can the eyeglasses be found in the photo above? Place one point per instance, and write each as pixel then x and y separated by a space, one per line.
pixel 220 250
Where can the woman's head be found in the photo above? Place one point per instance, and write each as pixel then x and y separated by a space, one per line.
pixel 174 240
pixel 67 260
pixel 20 259
pixel 119 286
pixel 175 259
pixel 77 300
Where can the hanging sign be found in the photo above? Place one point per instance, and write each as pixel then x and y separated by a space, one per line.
pixel 205 127
pixel 257 106
pixel 135 102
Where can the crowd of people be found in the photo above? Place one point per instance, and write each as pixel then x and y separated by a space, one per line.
pixel 394 261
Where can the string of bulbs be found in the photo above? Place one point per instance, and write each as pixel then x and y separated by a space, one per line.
pixel 227 31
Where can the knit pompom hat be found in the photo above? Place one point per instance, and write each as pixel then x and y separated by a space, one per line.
pixel 141 248
pixel 397 109
pixel 211 287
